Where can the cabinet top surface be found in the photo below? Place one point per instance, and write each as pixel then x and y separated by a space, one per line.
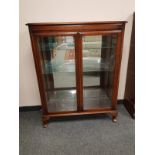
pixel 77 23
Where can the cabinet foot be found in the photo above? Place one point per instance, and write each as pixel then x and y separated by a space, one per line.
pixel 114 120
pixel 45 120
pixel 45 125
pixel 114 117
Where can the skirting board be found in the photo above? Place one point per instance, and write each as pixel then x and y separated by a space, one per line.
pixel 29 108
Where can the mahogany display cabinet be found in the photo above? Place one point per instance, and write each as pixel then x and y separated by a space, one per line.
pixel 77 66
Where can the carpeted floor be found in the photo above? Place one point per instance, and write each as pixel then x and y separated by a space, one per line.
pixel 91 135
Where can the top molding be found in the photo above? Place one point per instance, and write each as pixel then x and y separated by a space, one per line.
pixel 77 23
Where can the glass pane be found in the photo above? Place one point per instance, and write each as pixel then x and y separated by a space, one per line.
pixel 98 70
pixel 58 71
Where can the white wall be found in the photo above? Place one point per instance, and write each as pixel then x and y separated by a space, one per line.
pixel 66 10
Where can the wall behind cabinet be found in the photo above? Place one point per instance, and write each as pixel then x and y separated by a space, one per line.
pixel 66 10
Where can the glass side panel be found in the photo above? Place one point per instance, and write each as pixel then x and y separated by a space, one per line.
pixel 58 71
pixel 98 70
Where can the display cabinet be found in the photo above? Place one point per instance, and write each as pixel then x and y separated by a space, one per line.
pixel 77 66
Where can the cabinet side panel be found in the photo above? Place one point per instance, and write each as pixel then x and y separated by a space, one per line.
pixel 117 67
pixel 38 71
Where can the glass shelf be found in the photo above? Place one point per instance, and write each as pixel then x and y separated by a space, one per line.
pixel 68 46
pixel 95 45
pixel 91 64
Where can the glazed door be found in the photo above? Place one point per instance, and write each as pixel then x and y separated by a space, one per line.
pixel 57 57
pixel 98 71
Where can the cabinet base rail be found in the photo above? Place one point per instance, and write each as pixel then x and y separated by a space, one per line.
pixel 48 116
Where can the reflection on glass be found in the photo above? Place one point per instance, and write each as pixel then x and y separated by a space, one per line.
pixel 98 68
pixel 58 70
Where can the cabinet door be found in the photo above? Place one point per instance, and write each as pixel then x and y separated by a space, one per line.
pixel 57 55
pixel 98 57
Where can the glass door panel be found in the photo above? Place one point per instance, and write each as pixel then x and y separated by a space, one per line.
pixel 58 71
pixel 98 70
